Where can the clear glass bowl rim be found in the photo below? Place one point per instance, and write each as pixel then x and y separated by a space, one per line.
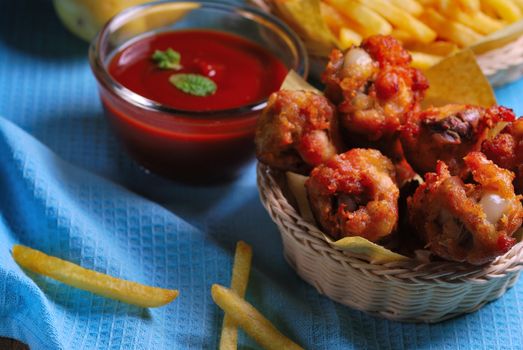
pixel 249 12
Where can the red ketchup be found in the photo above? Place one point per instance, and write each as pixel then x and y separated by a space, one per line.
pixel 179 144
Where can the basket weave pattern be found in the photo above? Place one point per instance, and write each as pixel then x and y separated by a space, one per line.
pixel 503 65
pixel 403 291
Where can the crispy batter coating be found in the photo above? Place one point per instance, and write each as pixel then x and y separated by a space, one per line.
pixel 506 150
pixel 471 221
pixel 374 88
pixel 448 133
pixel 404 172
pixel 297 131
pixel 354 194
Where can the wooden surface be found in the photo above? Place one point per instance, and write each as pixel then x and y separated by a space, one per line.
pixel 11 344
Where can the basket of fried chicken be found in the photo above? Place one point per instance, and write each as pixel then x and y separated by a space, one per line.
pixel 396 192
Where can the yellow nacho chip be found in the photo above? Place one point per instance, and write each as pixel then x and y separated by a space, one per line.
pixel 293 81
pixel 366 250
pixel 458 79
pixel 304 16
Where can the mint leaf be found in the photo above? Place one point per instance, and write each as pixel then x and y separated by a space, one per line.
pixel 168 59
pixel 193 84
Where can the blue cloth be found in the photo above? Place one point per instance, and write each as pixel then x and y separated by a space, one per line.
pixel 67 188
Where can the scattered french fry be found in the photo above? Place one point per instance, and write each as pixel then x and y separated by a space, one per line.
pixel 92 281
pixel 240 278
pixel 251 320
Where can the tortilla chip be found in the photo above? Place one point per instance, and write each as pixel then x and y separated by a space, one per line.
pixel 294 82
pixel 304 17
pixel 296 183
pixel 366 250
pixel 458 79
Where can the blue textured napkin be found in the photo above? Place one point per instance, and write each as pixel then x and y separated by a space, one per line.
pixel 67 188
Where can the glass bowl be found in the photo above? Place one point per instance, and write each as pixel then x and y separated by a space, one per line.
pixel 197 147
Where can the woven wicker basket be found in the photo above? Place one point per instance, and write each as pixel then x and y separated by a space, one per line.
pixel 403 291
pixel 503 65
pixel 500 66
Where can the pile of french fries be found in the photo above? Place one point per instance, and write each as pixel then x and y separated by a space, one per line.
pixel 429 29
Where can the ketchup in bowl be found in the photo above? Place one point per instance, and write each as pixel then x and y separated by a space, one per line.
pixel 244 72
pixel 185 101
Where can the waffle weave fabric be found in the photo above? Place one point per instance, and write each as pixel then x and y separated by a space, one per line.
pixel 68 189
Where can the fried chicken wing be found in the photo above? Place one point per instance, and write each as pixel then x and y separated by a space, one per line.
pixel 506 150
pixel 297 131
pixel 374 87
pixel 467 221
pixel 448 133
pixel 354 194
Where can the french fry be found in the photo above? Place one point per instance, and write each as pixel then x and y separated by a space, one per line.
pixel 519 3
pixel 332 18
pixel 251 320
pixel 488 10
pixel 479 22
pixel 336 21
pixel 476 20
pixel 437 48
pixel 505 9
pixel 423 61
pixel 371 22
pixel 405 37
pixel 426 3
pixel 92 281
pixel 411 6
pixel 450 30
pixel 240 278
pixel 348 38
pixel 469 5
pixel 401 19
